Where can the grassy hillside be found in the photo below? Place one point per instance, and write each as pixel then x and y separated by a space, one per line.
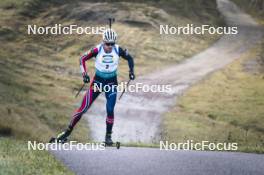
pixel 226 107
pixel 40 73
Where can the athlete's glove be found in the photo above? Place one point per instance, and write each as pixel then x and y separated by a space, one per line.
pixel 132 75
pixel 86 78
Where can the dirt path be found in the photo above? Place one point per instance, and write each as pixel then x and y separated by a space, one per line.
pixel 138 115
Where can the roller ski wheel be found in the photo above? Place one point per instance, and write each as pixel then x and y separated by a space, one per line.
pixel 114 144
pixel 55 140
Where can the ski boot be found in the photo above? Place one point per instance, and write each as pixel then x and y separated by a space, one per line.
pixel 62 137
pixel 108 139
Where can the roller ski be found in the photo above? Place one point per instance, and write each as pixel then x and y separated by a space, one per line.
pixel 109 142
pixel 62 137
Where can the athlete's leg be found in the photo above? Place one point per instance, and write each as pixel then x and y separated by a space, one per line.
pixel 110 105
pixel 87 101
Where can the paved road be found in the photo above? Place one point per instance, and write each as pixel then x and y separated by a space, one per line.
pixel 150 161
pixel 148 109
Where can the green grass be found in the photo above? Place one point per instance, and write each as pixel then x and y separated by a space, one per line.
pixel 226 107
pixel 15 158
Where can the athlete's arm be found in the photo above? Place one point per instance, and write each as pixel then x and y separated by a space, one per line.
pixel 124 54
pixel 88 55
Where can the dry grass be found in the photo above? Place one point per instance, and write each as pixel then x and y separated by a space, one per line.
pixel 226 107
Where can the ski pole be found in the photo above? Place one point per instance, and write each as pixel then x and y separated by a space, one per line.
pixel 124 89
pixel 79 90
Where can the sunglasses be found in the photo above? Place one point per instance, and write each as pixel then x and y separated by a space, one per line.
pixel 109 44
